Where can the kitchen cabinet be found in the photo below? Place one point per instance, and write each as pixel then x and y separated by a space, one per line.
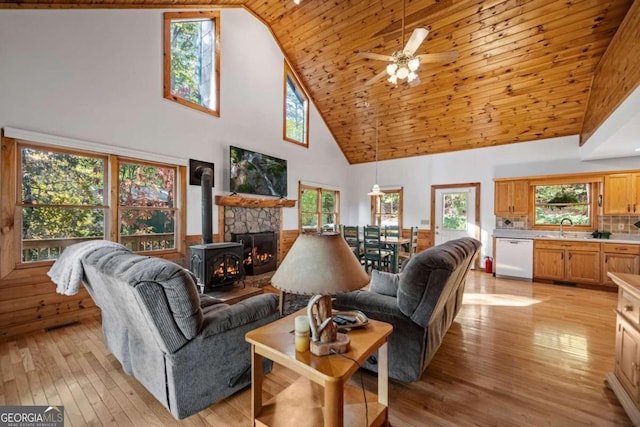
pixel 621 193
pixel 575 262
pixel 619 258
pixel 511 197
pixel 548 263
pixel 626 372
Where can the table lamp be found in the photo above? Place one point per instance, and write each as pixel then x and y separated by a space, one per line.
pixel 321 265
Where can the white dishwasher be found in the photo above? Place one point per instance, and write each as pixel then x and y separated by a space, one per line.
pixel 514 258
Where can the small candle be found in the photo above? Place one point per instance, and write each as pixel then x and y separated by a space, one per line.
pixel 301 333
pixel 301 324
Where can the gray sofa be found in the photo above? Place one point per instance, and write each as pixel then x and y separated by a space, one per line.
pixel 188 351
pixel 420 302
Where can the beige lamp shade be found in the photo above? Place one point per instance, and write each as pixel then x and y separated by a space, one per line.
pixel 321 264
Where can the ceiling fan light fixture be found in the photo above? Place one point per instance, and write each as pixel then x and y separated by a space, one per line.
pixel 411 77
pixel 393 79
pixel 391 68
pixel 414 63
pixel 402 73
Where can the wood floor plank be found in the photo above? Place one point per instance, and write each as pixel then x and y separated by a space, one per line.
pixel 22 384
pixel 72 412
pixel 11 395
pixel 518 353
pixel 125 385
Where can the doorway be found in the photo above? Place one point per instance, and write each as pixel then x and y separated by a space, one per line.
pixel 455 212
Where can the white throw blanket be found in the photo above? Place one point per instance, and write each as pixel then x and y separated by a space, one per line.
pixel 67 271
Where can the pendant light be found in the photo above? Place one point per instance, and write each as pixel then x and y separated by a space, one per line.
pixel 375 190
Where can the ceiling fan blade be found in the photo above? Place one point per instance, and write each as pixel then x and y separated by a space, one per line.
pixel 375 78
pixel 439 57
pixel 417 37
pixel 377 56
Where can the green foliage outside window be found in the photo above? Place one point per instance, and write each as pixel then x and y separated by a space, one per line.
pixel 454 211
pixel 192 44
pixel 62 197
pixel 309 209
pixel 388 209
pixel 556 202
pixel 313 217
pixel 295 112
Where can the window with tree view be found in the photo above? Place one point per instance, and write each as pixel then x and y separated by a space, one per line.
pixel 147 211
pixel 319 209
pixel 296 110
pixel 57 197
pixel 387 209
pixel 553 203
pixel 62 201
pixel 192 59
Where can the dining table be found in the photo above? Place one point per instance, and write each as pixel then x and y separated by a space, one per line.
pixel 395 245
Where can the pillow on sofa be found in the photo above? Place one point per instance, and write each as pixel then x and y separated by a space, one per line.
pixel 384 283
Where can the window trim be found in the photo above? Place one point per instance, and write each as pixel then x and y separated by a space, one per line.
pixel 168 17
pixel 11 265
pixel 319 213
pixel 374 206
pixel 288 73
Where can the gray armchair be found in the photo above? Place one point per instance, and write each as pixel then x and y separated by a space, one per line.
pixel 420 302
pixel 188 352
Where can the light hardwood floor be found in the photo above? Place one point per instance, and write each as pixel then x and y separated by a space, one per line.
pixel 518 354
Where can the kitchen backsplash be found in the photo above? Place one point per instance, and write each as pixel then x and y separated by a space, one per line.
pixel 613 224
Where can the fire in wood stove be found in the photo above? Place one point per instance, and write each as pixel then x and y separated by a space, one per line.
pixel 259 251
pixel 217 264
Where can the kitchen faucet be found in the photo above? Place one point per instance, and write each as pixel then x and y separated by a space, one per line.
pixel 562 222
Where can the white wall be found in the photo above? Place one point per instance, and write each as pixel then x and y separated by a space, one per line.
pixel 96 75
pixel 417 174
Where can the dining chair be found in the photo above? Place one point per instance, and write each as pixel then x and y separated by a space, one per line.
pixel 413 246
pixel 351 234
pixel 375 254
pixel 392 231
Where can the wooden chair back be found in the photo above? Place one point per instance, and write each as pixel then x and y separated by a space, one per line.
pixel 374 250
pixel 413 244
pixel 392 231
pixel 351 234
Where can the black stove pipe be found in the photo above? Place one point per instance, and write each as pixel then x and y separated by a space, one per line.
pixel 206 185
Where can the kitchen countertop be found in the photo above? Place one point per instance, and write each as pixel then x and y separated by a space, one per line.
pixel 570 236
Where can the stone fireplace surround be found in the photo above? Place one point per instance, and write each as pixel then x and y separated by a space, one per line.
pixel 239 214
pixel 241 220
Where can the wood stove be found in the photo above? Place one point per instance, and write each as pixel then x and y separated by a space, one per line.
pixel 260 251
pixel 217 264
pixel 214 264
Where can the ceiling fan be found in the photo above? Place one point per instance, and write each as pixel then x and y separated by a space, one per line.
pixel 404 63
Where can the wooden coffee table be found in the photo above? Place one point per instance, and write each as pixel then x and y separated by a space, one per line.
pixel 321 395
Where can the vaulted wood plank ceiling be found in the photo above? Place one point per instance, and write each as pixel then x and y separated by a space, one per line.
pixel 524 69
